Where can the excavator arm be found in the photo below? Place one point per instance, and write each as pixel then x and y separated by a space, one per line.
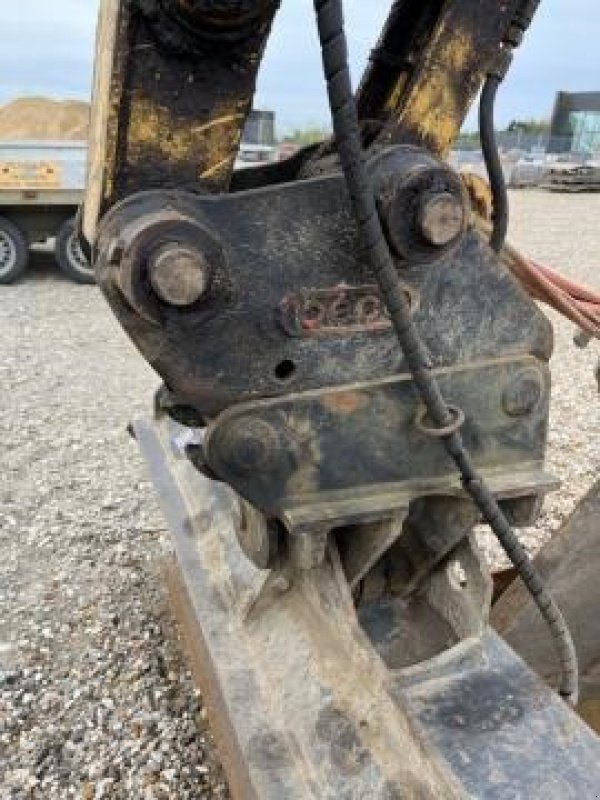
pixel 174 83
pixel 353 379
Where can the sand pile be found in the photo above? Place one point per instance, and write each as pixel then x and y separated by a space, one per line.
pixel 43 118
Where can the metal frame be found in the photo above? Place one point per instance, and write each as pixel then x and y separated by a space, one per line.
pixel 301 703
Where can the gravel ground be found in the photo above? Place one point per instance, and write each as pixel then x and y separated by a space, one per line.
pixel 95 700
pixel 562 232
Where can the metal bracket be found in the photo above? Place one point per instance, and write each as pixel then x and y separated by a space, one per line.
pixel 318 450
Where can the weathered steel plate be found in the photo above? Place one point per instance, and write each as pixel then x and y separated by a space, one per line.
pixel 277 243
pixel 303 707
pixel 570 563
pixel 283 675
pixel 320 447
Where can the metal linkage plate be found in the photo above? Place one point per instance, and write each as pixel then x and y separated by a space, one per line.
pixel 289 304
pixel 333 445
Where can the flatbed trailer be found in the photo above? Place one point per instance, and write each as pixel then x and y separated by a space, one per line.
pixel 41 189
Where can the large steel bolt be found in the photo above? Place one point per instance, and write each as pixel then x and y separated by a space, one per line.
pixel 422 203
pixel 179 275
pixel 248 445
pixel 441 219
pixel 523 393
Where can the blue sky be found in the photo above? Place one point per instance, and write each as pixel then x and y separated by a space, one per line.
pixel 47 49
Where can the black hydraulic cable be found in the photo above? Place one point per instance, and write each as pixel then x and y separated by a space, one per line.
pixel 523 17
pixel 489 147
pixel 447 419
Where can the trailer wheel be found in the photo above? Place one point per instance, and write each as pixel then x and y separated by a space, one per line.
pixel 70 256
pixel 14 251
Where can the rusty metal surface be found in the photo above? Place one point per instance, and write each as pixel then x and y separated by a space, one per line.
pixel 282 663
pixel 310 447
pixel 501 729
pixel 570 563
pixel 331 312
pixel 420 616
pixel 236 294
pixel 169 103
pixel 302 705
pixel 268 245
pixel 428 67
pixel 362 546
pixel 174 83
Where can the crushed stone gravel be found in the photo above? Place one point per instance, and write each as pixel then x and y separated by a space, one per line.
pixel 95 698
pixel 561 231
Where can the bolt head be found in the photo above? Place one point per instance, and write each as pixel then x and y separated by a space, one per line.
pixel 249 445
pixel 523 393
pixel 442 219
pixel 179 275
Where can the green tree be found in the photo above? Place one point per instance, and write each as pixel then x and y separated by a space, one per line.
pixel 468 140
pixel 306 136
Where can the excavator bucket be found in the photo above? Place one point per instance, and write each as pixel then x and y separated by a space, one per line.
pixel 301 701
pixel 570 563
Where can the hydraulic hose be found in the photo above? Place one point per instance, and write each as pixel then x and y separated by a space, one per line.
pixel 523 16
pixel 493 164
pixel 344 114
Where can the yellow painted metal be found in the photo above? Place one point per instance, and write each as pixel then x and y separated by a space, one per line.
pixel 163 116
pixel 99 184
pixel 434 108
pixel 435 58
pixel 152 126
pixel 30 175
